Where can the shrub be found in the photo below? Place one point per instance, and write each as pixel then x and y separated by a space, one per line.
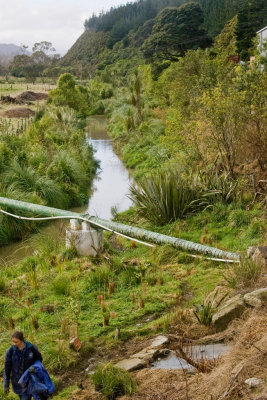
pixel 100 278
pixel 239 218
pixel 166 197
pixel 62 284
pixel 222 188
pixel 113 381
pixel 243 274
pixel 204 312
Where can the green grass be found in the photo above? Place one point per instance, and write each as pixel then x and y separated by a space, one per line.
pixel 113 381
pixel 167 281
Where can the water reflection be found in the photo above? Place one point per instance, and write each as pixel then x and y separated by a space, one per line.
pixel 111 186
pixel 110 189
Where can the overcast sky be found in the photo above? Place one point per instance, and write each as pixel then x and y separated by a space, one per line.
pixel 57 21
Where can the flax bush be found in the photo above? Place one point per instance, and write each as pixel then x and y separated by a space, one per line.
pixel 166 197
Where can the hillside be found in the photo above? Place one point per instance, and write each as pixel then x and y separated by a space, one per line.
pixel 119 27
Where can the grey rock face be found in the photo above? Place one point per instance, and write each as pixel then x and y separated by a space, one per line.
pixel 230 310
pixel 256 298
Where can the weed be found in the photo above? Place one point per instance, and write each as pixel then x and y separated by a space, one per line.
pixel 113 381
pixel 2 284
pixel 243 274
pixel 62 284
pixel 204 312
pixel 100 278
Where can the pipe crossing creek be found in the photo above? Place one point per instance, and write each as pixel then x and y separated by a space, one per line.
pixel 85 232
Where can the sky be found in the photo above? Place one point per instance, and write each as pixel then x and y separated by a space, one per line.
pixel 57 21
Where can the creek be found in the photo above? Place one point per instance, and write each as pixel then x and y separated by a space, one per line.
pixel 108 193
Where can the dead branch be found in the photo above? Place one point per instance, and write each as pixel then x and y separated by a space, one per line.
pixel 232 381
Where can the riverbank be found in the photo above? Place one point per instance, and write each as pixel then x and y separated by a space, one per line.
pixel 49 163
pixel 141 291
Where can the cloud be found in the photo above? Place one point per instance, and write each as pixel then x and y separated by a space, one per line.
pixel 56 21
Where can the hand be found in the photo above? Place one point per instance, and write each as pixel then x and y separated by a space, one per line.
pixel 6 390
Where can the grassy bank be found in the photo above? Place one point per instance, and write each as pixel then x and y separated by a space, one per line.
pixel 140 290
pixel 49 163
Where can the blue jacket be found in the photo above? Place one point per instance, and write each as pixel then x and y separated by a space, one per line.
pixel 17 362
pixel 36 380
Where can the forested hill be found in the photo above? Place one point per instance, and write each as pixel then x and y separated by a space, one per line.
pixel 119 24
pixel 137 29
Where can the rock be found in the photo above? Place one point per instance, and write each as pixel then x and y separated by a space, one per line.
pixel 164 352
pixel 147 354
pixel 250 251
pixel 254 382
pixel 260 255
pixel 230 310
pixel 131 364
pixel 256 298
pixel 159 341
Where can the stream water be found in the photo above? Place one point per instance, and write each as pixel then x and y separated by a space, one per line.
pixel 110 190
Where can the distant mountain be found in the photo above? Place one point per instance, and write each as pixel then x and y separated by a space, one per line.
pixel 9 51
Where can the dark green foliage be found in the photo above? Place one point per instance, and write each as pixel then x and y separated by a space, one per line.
pixel 68 94
pixel 131 24
pixel 166 197
pixel 113 381
pixel 221 188
pixel 174 32
pixel 62 284
pixel 251 18
pixel 204 312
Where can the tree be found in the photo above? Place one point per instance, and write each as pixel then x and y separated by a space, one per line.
pixel 175 31
pixel 33 66
pixel 226 40
pixel 251 18
pixel 68 93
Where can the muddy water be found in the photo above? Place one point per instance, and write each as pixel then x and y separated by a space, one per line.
pixel 110 190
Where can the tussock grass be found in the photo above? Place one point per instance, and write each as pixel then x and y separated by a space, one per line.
pixel 113 381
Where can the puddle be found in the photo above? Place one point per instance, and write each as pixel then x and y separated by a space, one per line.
pixel 210 352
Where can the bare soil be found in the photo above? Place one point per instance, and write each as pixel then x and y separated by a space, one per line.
pixel 20 112
pixel 31 96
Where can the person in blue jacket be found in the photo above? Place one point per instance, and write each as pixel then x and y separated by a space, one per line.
pixel 19 357
pixel 37 381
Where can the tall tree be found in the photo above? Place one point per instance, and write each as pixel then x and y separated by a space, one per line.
pixel 251 18
pixel 175 31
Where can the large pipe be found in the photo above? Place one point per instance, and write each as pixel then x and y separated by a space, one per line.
pixel 128 230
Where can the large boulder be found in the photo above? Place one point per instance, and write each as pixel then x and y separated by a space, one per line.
pixel 230 310
pixel 256 298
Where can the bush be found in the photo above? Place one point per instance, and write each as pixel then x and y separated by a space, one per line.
pixel 100 278
pixel 113 381
pixel 243 274
pixel 166 197
pixel 62 284
pixel 205 311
